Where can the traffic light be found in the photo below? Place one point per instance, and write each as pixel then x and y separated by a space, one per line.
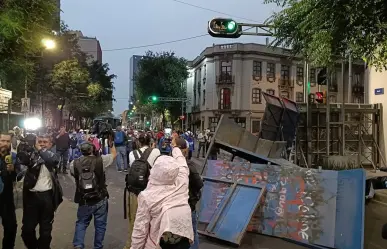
pixel 320 97
pixel 181 117
pixel 224 28
pixel 147 123
pixel 153 98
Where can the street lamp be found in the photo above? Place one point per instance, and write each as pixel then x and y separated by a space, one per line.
pixel 49 44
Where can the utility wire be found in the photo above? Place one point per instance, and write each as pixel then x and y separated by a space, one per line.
pixel 150 45
pixel 214 11
pixel 178 40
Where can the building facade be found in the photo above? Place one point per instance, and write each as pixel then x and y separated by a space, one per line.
pixel 229 79
pixel 133 70
pixel 90 46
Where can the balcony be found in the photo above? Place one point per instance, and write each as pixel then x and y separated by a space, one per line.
pixel 195 108
pixel 224 107
pixel 286 83
pixel 225 79
pixel 358 90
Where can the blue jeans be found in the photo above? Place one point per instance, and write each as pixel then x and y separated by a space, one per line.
pixel 63 155
pixel 195 245
pixel 122 162
pixel 84 216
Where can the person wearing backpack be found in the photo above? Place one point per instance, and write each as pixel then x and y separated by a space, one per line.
pixel 91 192
pixel 140 160
pixel 120 141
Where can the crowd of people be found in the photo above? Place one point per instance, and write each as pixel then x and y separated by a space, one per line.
pixel 163 188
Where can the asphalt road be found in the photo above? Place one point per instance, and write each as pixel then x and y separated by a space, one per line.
pixel 116 233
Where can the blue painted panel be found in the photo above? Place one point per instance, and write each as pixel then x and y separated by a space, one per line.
pixel 379 91
pixel 350 208
pixel 235 214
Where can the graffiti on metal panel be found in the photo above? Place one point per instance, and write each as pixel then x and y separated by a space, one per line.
pixel 290 207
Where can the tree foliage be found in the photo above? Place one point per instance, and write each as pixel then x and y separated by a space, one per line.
pixel 23 25
pixel 161 74
pixel 324 30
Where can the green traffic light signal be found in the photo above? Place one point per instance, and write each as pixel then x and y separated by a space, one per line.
pixel 224 28
pixel 147 122
pixel 231 26
pixel 154 98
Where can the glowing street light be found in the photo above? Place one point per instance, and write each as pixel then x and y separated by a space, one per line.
pixel 49 44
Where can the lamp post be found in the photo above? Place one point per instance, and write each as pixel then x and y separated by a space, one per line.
pixel 48 44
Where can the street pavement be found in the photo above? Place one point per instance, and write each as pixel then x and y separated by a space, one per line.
pixel 116 234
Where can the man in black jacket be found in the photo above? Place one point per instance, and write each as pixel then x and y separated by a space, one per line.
pixel 7 206
pixel 195 186
pixel 42 193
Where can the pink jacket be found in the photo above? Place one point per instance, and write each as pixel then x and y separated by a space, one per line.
pixel 163 205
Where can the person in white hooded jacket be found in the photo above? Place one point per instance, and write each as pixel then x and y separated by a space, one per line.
pixel 163 217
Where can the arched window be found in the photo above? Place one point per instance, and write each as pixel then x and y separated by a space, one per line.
pixel 225 98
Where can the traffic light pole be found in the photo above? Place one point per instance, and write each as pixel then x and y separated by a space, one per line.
pixel 258 28
pixel 165 99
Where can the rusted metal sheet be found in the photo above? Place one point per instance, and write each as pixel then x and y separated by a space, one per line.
pixel 231 218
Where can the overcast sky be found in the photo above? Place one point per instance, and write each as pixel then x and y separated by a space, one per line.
pixel 132 23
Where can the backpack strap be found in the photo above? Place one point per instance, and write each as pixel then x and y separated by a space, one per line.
pixel 146 153
pixel 137 154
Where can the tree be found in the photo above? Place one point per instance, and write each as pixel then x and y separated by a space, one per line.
pixel 324 30
pixel 99 73
pixel 69 83
pixel 162 75
pixel 23 25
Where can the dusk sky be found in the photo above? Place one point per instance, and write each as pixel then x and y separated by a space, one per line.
pixel 122 26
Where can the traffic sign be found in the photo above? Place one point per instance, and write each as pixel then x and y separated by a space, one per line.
pixel 379 91
pixel 25 105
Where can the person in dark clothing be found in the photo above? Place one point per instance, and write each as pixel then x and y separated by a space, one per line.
pixel 7 206
pixel 62 149
pixel 195 186
pixel 42 192
pixel 93 202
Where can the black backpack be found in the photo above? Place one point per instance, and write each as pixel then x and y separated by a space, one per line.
pixel 88 187
pixel 137 178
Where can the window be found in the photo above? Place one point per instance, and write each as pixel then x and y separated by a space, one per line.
pixel 300 75
pixel 270 91
pixel 257 69
pixel 285 94
pixel 299 97
pixel 358 99
pixel 270 71
pixel 205 71
pixel 240 121
pixel 255 126
pixel 312 97
pixel 225 99
pixel 226 67
pixel 213 121
pixel 256 96
pixel 332 98
pixel 285 74
pixel 204 97
pixel 312 77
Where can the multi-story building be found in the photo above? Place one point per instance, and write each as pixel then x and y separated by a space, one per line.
pixel 133 70
pixel 229 79
pixel 90 46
